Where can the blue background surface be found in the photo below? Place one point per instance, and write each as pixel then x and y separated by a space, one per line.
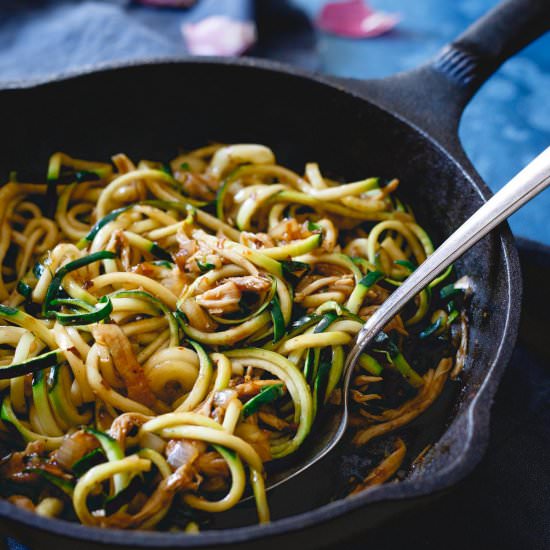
pixel 504 127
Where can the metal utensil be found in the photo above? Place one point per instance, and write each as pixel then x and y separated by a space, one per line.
pixel 528 183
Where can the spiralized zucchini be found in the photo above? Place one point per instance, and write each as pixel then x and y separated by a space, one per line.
pixel 169 328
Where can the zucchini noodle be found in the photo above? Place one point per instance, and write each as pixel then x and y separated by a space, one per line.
pixel 168 329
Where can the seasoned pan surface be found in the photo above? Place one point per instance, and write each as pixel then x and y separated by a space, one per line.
pixel 150 110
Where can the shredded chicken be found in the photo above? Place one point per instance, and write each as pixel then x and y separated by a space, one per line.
pixel 20 466
pixel 184 478
pixel 386 469
pixel 119 244
pixel 255 436
pixel 395 324
pixel 196 316
pixel 256 240
pixel 124 424
pixel 462 351
pixel 273 420
pixel 289 230
pixel 113 338
pixel 212 464
pixel 14 465
pixel 252 283
pixel 198 186
pixel 194 253
pixel 188 248
pixel 224 298
pixel 250 388
pixel 174 279
pixel 395 418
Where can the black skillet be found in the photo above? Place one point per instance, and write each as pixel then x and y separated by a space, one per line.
pixel 404 126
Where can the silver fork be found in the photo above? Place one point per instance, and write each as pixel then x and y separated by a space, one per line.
pixel 533 179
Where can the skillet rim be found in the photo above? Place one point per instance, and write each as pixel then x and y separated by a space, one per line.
pixel 477 412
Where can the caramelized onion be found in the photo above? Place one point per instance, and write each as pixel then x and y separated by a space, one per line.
pixel 180 452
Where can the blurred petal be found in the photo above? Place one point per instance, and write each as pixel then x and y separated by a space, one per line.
pixel 355 19
pixel 219 35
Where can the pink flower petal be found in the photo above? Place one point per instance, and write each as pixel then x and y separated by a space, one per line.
pixel 355 19
pixel 219 35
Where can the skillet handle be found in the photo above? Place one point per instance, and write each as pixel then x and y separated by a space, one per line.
pixel 433 96
pixel 477 53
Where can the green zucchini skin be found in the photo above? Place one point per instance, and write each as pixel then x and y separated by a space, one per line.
pixel 397 359
pixel 85 241
pixel 54 287
pixel 291 267
pixel 24 289
pixel 266 395
pixel 205 267
pixel 431 329
pixel 303 323
pixel 80 319
pixel 82 465
pixel 58 379
pixel 65 485
pixel 111 216
pixel 405 263
pixel 8 311
pixel 110 446
pixel 313 354
pixel 113 452
pixel 172 318
pixel 370 364
pixel 360 291
pixel 277 319
pixel 268 302
pixel 449 291
pixel 222 192
pixel 146 245
pixel 320 385
pixel 33 365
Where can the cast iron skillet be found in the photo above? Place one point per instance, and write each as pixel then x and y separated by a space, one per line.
pixel 404 126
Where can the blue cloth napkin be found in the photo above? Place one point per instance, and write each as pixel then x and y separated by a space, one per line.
pixel 39 38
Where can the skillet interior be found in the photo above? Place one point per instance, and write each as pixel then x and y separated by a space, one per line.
pixel 149 111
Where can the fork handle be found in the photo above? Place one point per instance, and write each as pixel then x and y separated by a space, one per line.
pixel 528 183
